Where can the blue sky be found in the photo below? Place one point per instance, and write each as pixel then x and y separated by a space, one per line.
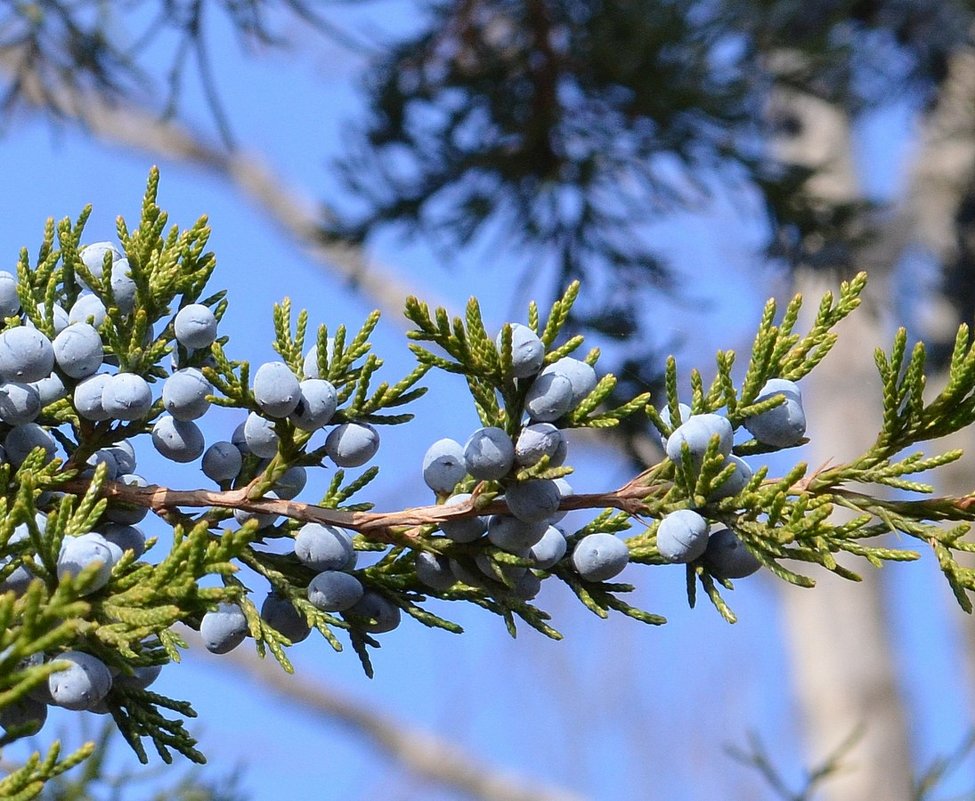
pixel 617 705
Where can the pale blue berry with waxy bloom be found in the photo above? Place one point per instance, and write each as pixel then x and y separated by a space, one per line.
pixel 260 436
pixel 533 501
pixel 581 376
pixel 88 309
pixel 599 557
pixel 93 257
pixel 513 535
pixel 537 440
pixel 291 482
pixel 375 613
pixel 86 550
pixel 178 440
pixel 88 397
pixel 444 465
pixel 50 389
pixel 195 326
pixel 352 444
pixel 736 482
pixel 549 397
pixel 222 461
pixel 781 426
pixel 123 286
pixel 185 394
pixel 316 406
pixel 697 433
pixel 25 354
pixel 84 682
pixel 322 547
pixel 276 389
pixel 334 591
pixel 434 571
pixel 126 396
pixel 682 536
pixel 550 549
pixel 489 453
pixel 310 364
pixel 282 616
pixel 78 350
pixel 22 439
pixel 123 537
pixel 19 403
pixel 223 629
pixel 726 556
pixel 527 351
pixel 9 299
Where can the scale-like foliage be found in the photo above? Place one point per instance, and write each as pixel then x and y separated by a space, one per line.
pixel 783 524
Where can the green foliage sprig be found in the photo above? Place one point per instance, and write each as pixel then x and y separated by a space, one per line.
pixel 28 780
pixel 218 551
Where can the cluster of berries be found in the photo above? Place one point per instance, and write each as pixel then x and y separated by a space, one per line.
pixel 309 403
pixel 82 685
pixel 87 680
pixel 327 550
pixel 529 529
pixel 685 535
pixel 76 368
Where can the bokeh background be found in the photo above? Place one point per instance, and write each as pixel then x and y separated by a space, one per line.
pixel 617 710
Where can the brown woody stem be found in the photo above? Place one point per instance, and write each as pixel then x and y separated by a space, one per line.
pixel 374 525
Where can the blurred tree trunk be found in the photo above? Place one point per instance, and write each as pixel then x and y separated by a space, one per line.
pixel 941 209
pixel 838 635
